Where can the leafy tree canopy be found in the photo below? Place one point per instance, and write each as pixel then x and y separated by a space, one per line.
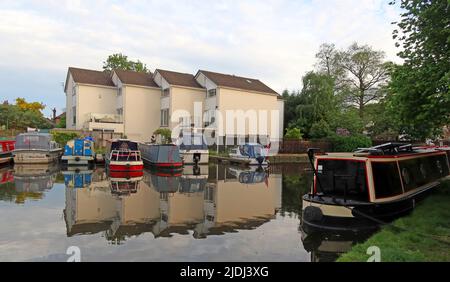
pixel 120 61
pixel 420 98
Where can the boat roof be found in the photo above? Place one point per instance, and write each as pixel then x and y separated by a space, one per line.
pixel 387 150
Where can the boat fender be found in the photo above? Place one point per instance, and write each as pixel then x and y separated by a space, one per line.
pixel 77 159
pixel 312 214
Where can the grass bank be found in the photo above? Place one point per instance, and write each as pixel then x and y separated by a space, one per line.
pixel 431 217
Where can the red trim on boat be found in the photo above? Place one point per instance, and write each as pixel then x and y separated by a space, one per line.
pixel 169 164
pixel 125 167
pixel 126 174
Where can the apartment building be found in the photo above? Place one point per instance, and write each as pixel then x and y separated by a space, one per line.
pixel 230 108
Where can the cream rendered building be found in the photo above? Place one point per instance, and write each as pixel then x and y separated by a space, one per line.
pixel 136 104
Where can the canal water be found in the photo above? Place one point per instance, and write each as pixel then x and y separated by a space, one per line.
pixel 210 213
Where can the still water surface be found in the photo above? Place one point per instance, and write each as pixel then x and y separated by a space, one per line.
pixel 215 213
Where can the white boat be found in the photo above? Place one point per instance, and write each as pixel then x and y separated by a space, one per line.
pixel 255 153
pixel 193 148
pixel 36 148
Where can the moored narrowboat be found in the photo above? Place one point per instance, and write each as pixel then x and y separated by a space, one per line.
pixel 371 186
pixel 6 149
pixel 193 148
pixel 123 156
pixel 36 148
pixel 79 152
pixel 163 156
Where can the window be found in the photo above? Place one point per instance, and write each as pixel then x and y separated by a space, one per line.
pixel 386 179
pixel 165 92
pixel 343 178
pixel 165 117
pixel 120 111
pixel 74 115
pixel 420 171
pixel 212 92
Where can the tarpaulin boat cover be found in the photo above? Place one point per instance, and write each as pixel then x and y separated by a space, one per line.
pixel 39 141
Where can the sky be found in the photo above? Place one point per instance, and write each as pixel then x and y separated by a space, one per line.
pixel 271 40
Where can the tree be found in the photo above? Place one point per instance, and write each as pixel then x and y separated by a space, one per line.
pixel 420 98
pixel 121 62
pixel 316 101
pixel 33 106
pixel 62 122
pixel 365 75
pixel 23 115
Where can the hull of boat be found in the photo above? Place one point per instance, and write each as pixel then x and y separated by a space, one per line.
pixel 324 213
pixel 123 166
pixel 36 156
pixel 5 158
pixel 195 156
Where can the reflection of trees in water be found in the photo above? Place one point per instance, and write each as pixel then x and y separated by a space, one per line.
pixel 294 187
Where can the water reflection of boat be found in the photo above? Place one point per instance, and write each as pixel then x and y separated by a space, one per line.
pixel 249 176
pixel 329 246
pixel 194 179
pixel 123 186
pixel 77 178
pixel 32 180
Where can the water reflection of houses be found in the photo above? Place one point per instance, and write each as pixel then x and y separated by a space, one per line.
pixel 210 202
pixel 237 198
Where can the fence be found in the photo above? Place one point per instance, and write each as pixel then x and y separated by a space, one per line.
pixel 299 146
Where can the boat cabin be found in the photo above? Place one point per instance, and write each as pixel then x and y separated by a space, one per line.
pixel 123 150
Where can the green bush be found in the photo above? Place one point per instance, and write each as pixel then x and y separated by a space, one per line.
pixel 165 133
pixel 349 143
pixel 63 137
pixel 320 129
pixel 293 133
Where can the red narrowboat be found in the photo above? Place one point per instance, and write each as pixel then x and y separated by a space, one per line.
pixel 124 156
pixel 6 148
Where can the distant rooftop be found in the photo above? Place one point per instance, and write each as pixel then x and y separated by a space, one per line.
pixel 178 78
pixel 232 81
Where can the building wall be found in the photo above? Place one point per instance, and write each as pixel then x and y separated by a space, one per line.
pixel 141 111
pixel 69 104
pixel 183 104
pixel 94 99
pixel 248 102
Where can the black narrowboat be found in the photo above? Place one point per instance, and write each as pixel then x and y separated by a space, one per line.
pixel 371 186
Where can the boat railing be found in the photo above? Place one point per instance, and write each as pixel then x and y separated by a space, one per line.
pixel 125 155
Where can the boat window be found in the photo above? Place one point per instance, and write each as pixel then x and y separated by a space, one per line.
pixel 387 179
pixel 343 178
pixel 421 171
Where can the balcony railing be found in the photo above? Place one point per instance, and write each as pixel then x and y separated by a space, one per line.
pixel 109 122
pixel 104 118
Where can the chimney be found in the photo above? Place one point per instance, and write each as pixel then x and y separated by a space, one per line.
pixel 54 113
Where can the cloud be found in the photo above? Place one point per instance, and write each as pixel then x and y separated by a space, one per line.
pixel 273 40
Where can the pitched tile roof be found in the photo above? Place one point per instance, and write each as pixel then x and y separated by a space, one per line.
pixel 136 78
pixel 91 77
pixel 179 79
pixel 238 82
